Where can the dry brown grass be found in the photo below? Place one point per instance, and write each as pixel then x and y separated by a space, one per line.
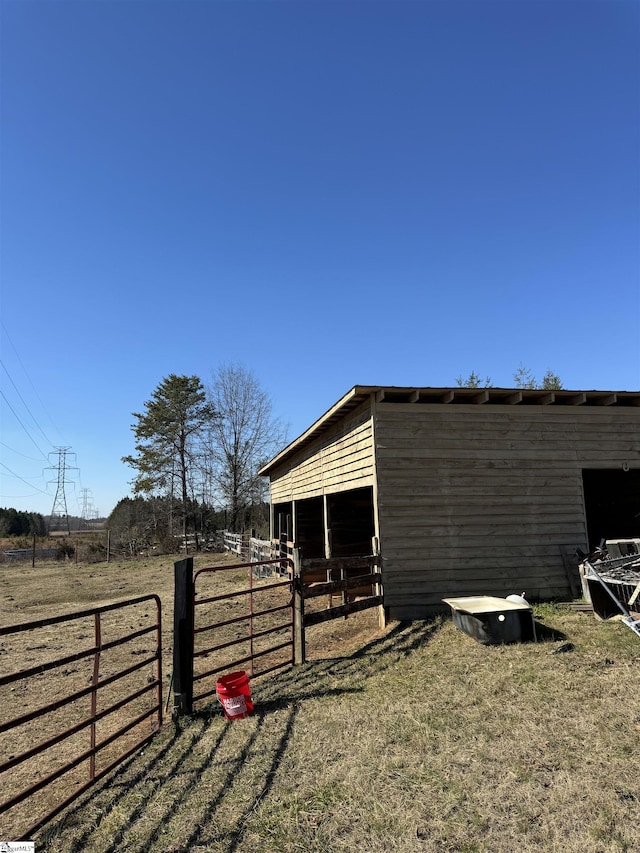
pixel 57 588
pixel 423 740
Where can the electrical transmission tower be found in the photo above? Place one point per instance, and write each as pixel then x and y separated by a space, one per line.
pixel 85 512
pixel 59 511
pixel 88 511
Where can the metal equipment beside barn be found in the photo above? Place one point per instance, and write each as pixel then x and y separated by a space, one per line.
pixel 611 581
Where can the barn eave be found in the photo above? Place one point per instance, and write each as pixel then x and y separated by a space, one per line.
pixel 359 394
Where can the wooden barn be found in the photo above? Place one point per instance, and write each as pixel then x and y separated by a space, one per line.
pixel 463 491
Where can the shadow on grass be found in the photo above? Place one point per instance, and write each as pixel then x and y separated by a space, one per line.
pixel 117 789
pixel 134 809
pixel 201 783
pixel 109 797
pixel 233 835
pixel 545 634
pixel 317 679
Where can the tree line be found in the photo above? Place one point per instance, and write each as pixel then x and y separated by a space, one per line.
pixel 144 525
pixel 198 449
pixel 13 522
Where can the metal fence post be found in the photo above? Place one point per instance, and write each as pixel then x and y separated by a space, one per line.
pixel 183 623
pixel 299 648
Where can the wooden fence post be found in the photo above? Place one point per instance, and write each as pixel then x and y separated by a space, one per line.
pixel 379 590
pixel 299 648
pixel 183 637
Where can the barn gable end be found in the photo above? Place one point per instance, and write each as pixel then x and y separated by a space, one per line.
pixel 340 458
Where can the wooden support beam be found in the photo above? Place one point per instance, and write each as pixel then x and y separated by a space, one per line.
pixel 606 400
pixel 482 397
pixel 326 522
pixel 340 563
pixel 299 643
pixel 343 610
pixel 514 399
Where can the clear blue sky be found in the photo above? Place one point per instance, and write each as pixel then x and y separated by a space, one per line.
pixel 330 193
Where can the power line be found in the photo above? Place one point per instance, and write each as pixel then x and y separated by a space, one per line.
pixel 33 387
pixel 24 403
pixel 62 467
pixel 42 453
pixel 38 448
pixel 18 453
pixel 22 480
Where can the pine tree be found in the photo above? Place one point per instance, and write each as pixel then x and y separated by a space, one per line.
pixel 168 439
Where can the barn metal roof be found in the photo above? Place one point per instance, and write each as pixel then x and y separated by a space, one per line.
pixel 450 396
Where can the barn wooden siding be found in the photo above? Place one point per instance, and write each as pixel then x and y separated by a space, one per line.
pixel 480 499
pixel 336 461
pixel 473 491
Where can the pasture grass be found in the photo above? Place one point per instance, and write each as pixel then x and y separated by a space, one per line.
pixel 422 740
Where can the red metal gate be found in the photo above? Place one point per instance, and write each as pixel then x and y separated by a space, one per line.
pixel 51 742
pixel 218 631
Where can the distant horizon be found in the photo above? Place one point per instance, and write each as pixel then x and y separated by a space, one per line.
pixel 48 514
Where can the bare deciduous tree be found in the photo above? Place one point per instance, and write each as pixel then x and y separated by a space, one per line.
pixel 243 437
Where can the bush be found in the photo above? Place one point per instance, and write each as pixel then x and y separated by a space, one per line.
pixel 65 551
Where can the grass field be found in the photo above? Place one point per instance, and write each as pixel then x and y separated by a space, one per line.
pixel 415 739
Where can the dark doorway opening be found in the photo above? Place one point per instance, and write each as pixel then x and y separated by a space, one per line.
pixel 310 527
pixel 351 522
pixel 612 504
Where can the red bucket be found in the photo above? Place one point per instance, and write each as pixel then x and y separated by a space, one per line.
pixel 234 693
